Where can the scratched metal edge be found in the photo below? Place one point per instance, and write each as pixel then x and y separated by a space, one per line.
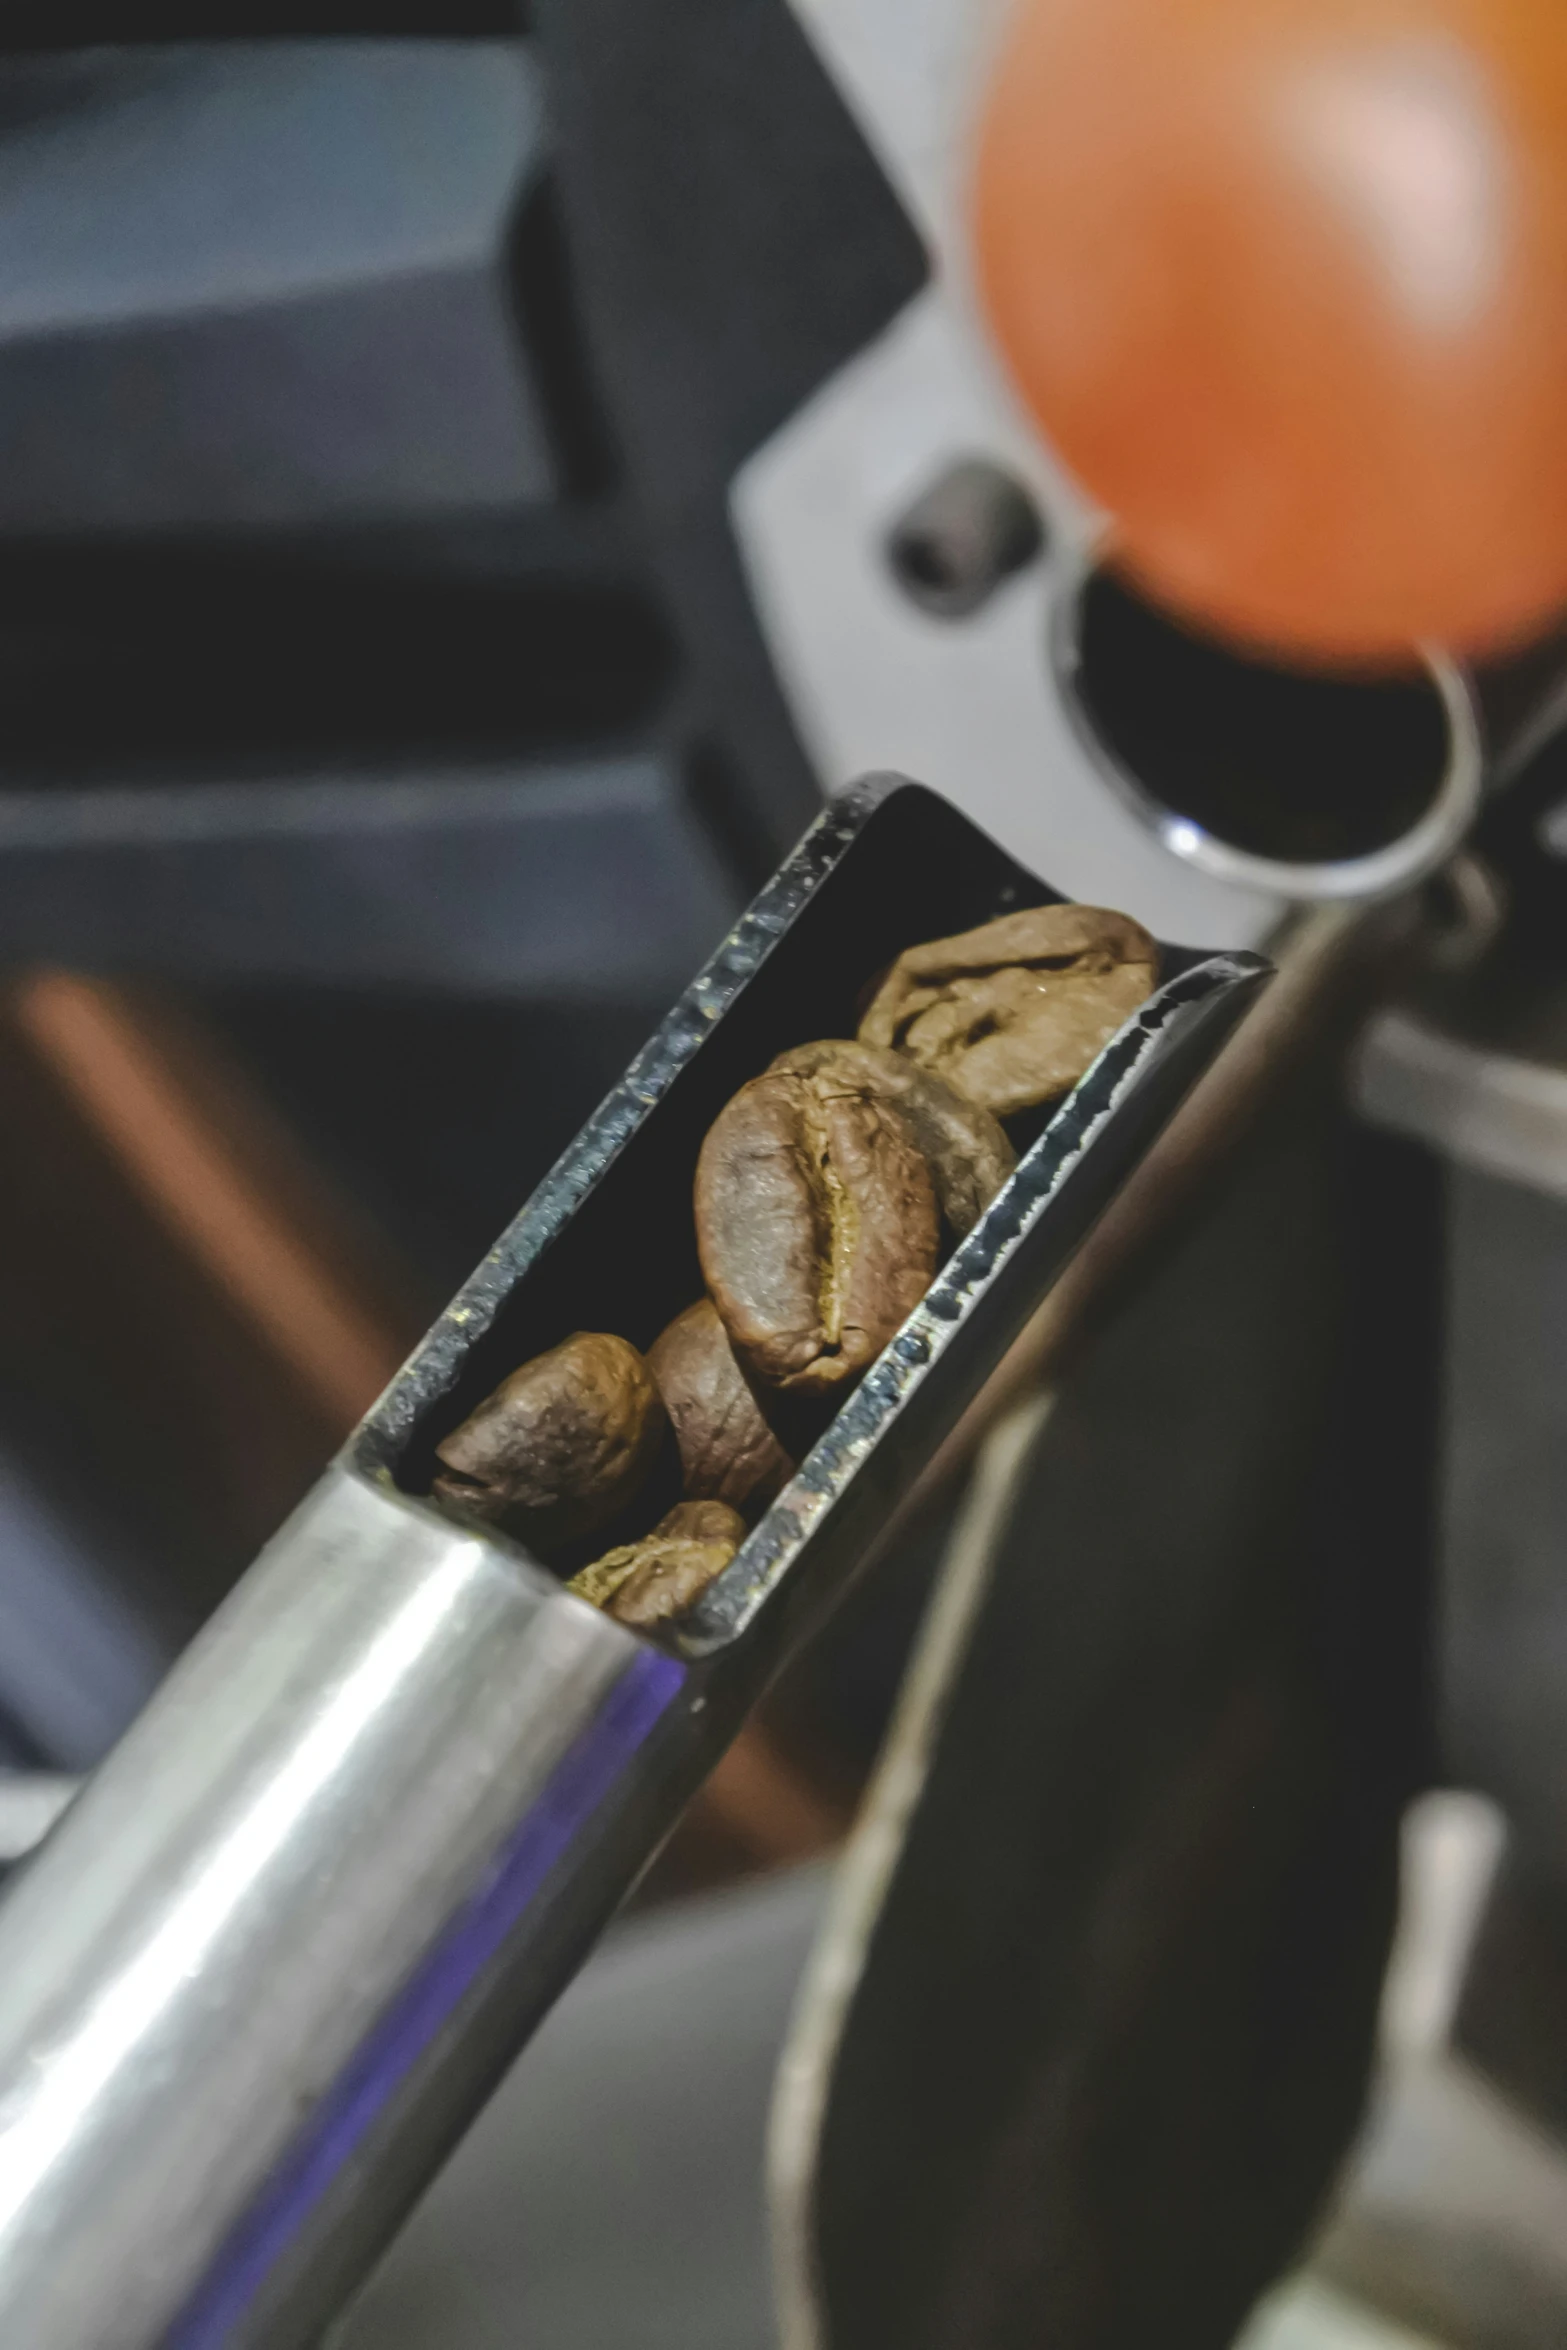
pixel 376 1444
pixel 1041 1178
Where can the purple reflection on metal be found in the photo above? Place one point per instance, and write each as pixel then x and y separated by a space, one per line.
pixel 578 1785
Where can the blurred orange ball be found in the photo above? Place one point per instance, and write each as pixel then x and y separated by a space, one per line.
pixel 1285 284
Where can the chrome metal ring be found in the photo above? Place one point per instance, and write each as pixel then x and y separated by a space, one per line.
pixel 1376 873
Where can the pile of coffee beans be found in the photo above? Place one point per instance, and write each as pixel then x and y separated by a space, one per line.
pixel 826 1193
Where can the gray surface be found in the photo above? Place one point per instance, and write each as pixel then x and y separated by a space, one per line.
pixel 568 883
pixel 1477 1106
pixel 1452 2217
pixel 264 283
pixel 611 2197
pixel 1504 1642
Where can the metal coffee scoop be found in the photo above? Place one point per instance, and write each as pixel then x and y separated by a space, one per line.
pixel 276 1954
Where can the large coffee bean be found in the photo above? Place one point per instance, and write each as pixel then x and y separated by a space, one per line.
pixel 656 1580
pixel 968 1155
pixel 561 1446
pixel 727 1450
pixel 816 1224
pixel 1013 1013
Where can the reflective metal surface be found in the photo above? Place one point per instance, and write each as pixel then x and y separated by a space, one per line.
pixel 293 1932
pixel 1385 870
pixel 1476 1104
pixel 643 2094
pixel 303 1860
pixel 30 1803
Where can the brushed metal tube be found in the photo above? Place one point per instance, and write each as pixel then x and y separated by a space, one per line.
pixel 283 1899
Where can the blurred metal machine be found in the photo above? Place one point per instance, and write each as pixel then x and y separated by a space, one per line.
pixel 473 487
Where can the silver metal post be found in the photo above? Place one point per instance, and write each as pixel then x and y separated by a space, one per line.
pixel 224 1978
pixel 278 1951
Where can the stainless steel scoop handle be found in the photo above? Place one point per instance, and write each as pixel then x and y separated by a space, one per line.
pixel 280 1911
pixel 275 1955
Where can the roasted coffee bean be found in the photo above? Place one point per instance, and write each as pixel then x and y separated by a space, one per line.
pixel 816 1225
pixel 561 1447
pixel 1013 1013
pixel 968 1155
pixel 657 1579
pixel 727 1450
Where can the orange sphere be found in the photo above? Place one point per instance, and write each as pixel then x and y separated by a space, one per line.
pixel 1285 283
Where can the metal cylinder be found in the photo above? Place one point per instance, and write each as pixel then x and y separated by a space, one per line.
pixel 324 1858
pixel 1421 839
